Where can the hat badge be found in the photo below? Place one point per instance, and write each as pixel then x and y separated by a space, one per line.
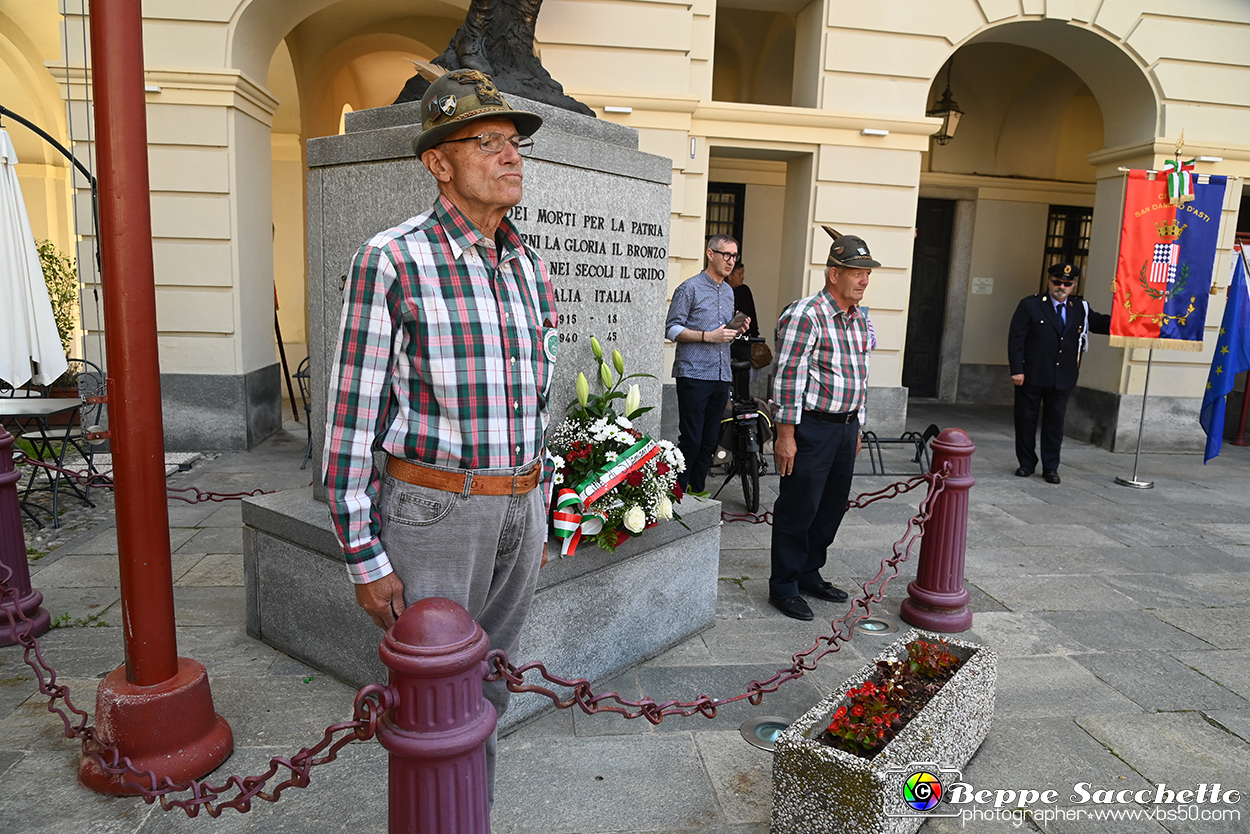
pixel 448 105
pixel 1067 270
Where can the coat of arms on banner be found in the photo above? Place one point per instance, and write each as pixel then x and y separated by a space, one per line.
pixel 1167 252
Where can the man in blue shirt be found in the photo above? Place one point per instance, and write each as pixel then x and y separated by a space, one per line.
pixel 698 322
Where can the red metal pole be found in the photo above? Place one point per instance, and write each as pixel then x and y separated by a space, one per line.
pixel 160 712
pixel 937 599
pixel 18 596
pixel 437 734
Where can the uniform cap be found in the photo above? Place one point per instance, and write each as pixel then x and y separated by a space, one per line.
pixel 1068 271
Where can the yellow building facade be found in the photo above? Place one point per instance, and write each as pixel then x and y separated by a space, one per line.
pixel 795 113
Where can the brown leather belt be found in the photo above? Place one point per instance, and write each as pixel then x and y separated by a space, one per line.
pixel 418 475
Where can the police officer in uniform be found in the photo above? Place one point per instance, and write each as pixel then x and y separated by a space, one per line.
pixel 1048 333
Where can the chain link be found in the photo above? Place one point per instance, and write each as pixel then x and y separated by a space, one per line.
pixel 370 704
pixel 843 629
pixel 100 481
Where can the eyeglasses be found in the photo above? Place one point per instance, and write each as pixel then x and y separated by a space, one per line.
pixel 494 142
pixel 729 256
pixel 1060 282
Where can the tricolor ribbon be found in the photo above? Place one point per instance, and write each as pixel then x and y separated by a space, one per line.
pixel 1180 180
pixel 572 517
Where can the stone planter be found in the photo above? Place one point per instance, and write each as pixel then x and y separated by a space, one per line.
pixel 818 789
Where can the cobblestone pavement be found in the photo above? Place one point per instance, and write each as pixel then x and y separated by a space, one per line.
pixel 1120 617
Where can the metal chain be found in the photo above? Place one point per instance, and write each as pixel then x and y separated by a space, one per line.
pixel 100 481
pixel 370 704
pixel 805 661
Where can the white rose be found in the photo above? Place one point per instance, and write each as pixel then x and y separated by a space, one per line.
pixel 664 508
pixel 635 520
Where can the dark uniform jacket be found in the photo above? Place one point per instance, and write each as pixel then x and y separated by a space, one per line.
pixel 1037 349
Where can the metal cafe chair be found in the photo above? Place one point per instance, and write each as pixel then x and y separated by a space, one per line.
pixel 305 390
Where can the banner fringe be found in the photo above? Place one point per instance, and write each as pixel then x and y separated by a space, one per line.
pixel 1156 344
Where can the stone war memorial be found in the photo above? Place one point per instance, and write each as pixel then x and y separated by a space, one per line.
pixel 597 210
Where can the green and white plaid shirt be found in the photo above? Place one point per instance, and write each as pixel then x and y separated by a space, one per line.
pixel 443 359
pixel 822 358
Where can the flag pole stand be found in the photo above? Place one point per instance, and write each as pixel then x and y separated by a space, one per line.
pixel 1133 482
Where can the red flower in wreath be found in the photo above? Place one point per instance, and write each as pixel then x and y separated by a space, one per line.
pixel 634 478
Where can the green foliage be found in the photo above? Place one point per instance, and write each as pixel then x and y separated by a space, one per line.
pixel 67 621
pixel 930 660
pixel 591 407
pixel 61 277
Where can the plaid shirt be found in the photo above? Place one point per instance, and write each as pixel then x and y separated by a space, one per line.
pixel 441 360
pixel 822 358
pixel 700 303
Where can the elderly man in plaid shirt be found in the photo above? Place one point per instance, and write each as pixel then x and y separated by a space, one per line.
pixel 445 360
pixel 819 387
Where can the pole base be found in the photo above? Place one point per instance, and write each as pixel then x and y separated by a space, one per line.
pixel 1239 441
pixel 169 728
pixel 40 620
pixel 944 620
pixel 1129 482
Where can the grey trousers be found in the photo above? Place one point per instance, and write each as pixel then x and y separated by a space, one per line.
pixel 482 551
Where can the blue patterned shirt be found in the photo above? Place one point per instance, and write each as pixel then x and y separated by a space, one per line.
pixel 700 303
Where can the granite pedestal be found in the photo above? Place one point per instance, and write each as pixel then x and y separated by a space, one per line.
pixel 595 615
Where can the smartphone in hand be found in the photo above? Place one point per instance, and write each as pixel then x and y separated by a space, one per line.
pixel 738 322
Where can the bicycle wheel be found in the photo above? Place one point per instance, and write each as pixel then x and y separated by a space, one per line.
pixel 750 471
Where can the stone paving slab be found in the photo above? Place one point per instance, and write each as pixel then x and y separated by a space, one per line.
pixel 606 784
pixel 1181 751
pixel 1227 628
pixel 1114 631
pixel 1230 668
pixel 1054 593
pixel 1040 687
pixel 217 570
pixel 1157 682
pixel 741 775
pixel 1021 635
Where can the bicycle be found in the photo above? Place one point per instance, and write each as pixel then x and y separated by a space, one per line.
pixel 745 431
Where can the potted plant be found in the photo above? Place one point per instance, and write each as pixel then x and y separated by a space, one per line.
pixel 888 783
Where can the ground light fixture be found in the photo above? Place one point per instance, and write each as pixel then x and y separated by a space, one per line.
pixel 947 110
pixel 877 625
pixel 762 732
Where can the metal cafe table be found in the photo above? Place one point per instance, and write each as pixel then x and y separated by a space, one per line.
pixel 32 419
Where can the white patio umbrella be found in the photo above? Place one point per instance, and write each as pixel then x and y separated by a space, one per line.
pixel 30 348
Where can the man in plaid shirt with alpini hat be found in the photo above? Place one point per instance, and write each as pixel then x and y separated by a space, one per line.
pixel 819 387
pixel 444 362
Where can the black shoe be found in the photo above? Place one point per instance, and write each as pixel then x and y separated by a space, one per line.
pixel 1051 476
pixel 793 607
pixel 825 591
pixel 1023 473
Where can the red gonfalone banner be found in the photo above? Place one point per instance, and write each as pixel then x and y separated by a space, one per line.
pixel 1167 253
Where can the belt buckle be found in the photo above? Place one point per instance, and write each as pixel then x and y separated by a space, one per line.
pixel 514 477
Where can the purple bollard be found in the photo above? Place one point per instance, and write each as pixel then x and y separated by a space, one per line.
pixel 437 734
pixel 13 555
pixel 937 599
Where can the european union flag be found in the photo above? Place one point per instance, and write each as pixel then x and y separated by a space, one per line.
pixel 1232 356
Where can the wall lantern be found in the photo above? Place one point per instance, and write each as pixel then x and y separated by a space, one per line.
pixel 947 110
